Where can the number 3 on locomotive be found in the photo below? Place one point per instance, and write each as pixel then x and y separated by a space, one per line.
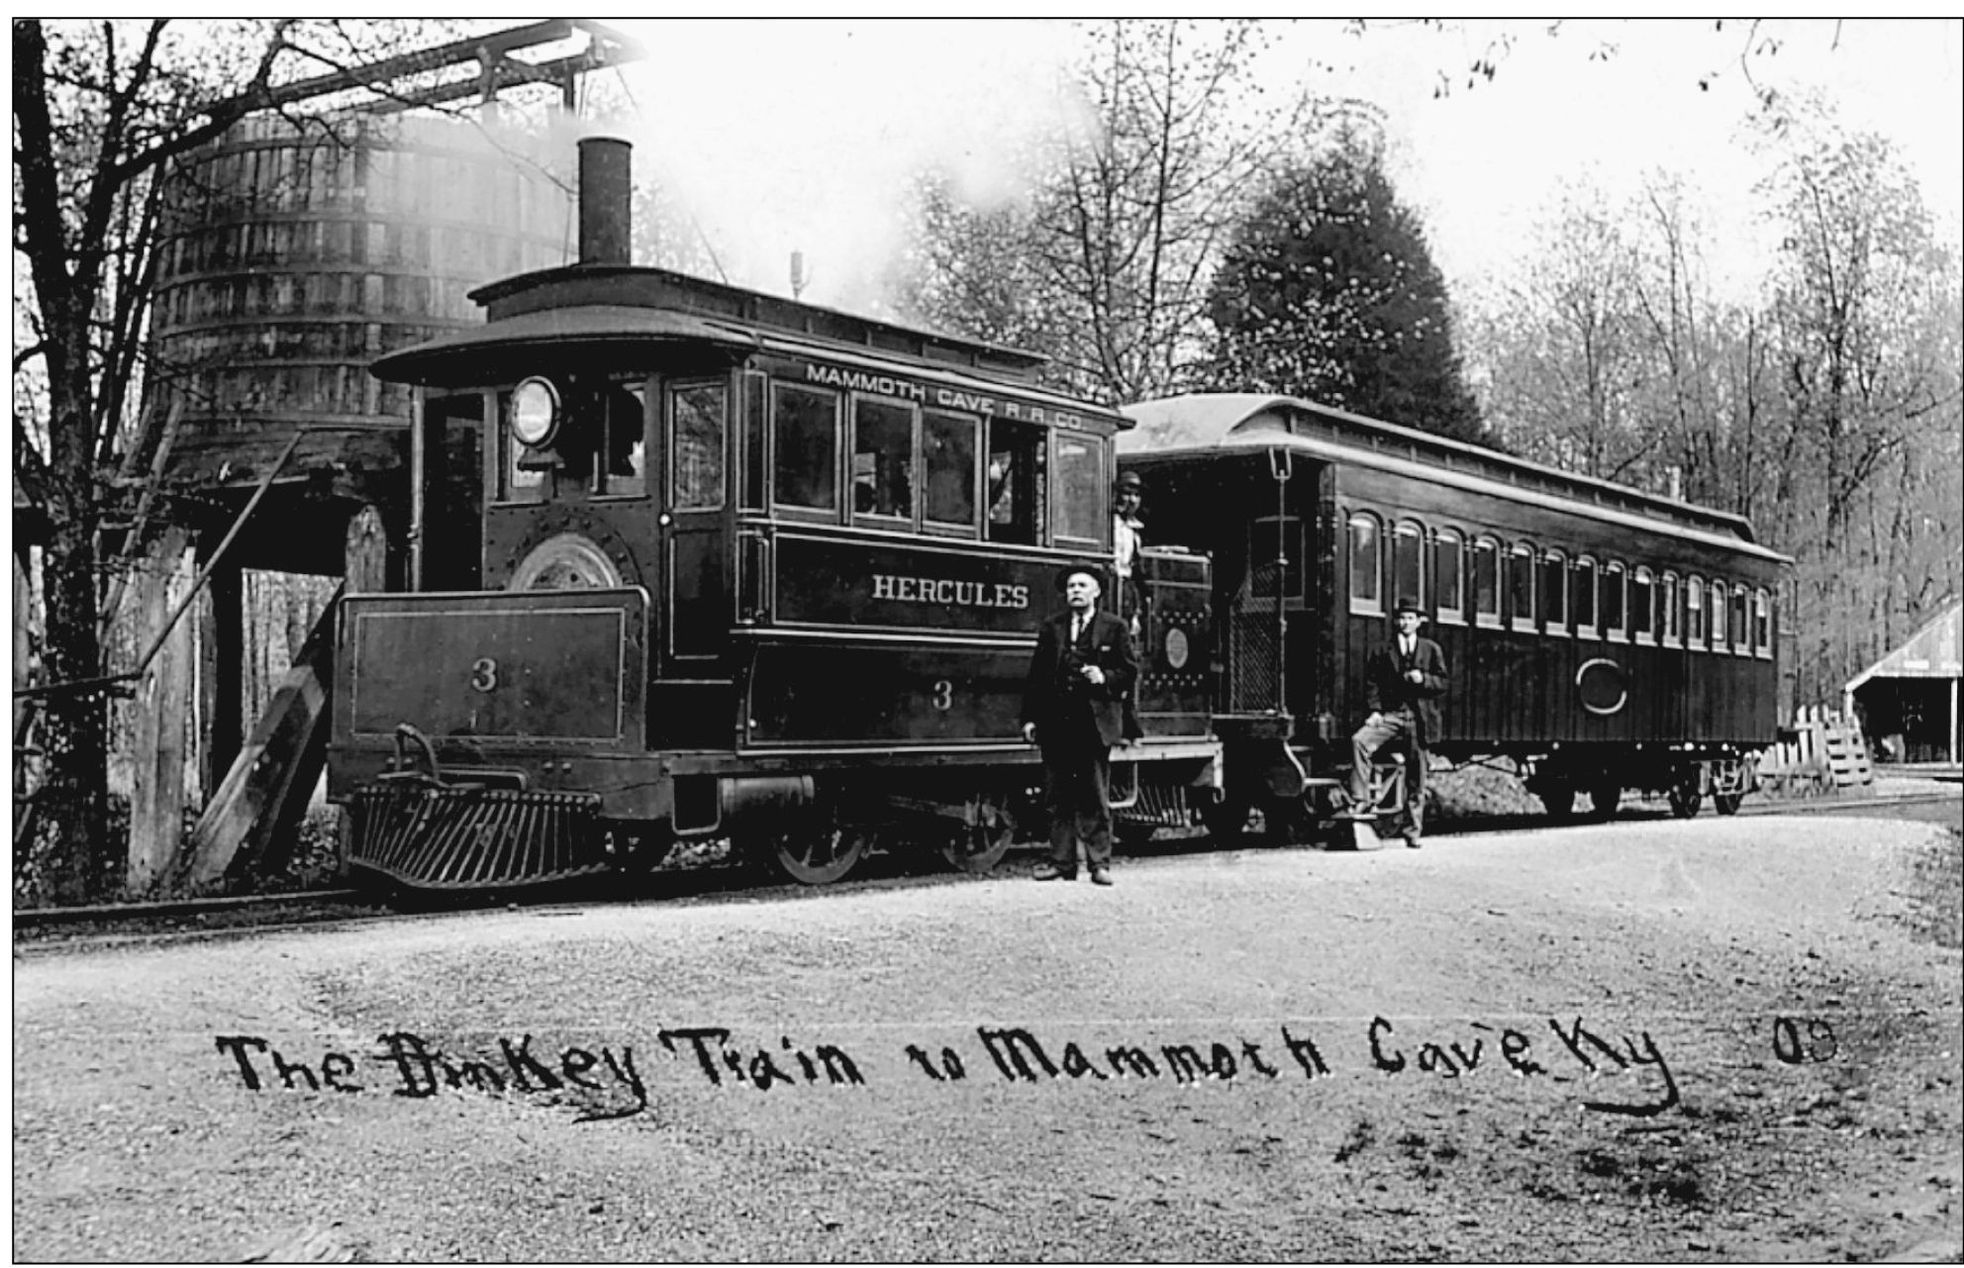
pixel 944 694
pixel 484 674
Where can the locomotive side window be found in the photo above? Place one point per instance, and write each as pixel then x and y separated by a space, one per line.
pixel 1082 514
pixel 1670 610
pixel 1408 561
pixel 1449 568
pixel 949 443
pixel 1520 586
pixel 1554 592
pixel 883 460
pixel 805 440
pixel 1366 565
pixel 1611 610
pixel 1265 537
pixel 1694 612
pixel 516 482
pixel 697 413
pixel 1016 482
pixel 1486 582
pixel 1715 615
pixel 1643 607
pixel 1583 597
pixel 1763 624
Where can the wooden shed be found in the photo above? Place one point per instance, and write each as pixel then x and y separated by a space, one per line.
pixel 1908 700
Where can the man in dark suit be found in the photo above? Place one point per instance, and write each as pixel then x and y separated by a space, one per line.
pixel 1402 686
pixel 1074 709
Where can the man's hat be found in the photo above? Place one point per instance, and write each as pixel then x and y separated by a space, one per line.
pixel 1065 574
pixel 1407 604
pixel 1129 480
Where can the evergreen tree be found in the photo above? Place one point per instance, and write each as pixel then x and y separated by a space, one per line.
pixel 1328 292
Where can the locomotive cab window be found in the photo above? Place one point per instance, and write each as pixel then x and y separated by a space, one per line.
pixel 1449 570
pixel 698 417
pixel 1366 565
pixel 573 436
pixel 1520 587
pixel 1083 514
pixel 1554 592
pixel 1486 582
pixel 1017 458
pixel 620 450
pixel 805 449
pixel 949 472
pixel 883 462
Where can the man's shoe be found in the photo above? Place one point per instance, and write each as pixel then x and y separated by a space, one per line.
pixel 1101 876
pixel 1411 843
pixel 1052 872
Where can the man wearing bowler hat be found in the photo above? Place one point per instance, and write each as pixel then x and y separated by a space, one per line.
pixel 1074 710
pixel 1402 686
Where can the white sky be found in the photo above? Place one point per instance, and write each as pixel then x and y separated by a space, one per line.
pixel 785 135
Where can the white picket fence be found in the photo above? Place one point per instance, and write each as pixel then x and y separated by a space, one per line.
pixel 1827 753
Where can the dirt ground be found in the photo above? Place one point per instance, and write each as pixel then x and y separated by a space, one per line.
pixel 1728 1039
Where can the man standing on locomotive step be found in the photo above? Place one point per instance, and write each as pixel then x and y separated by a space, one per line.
pixel 1402 686
pixel 1128 592
pixel 1073 709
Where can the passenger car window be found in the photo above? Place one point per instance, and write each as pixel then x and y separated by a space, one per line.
pixel 1554 592
pixel 1520 587
pixel 948 444
pixel 1083 513
pixel 1017 458
pixel 1366 565
pixel 1449 567
pixel 1486 581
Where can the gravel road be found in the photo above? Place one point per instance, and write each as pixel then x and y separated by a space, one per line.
pixel 1716 1040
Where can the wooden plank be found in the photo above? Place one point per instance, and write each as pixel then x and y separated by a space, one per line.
pixel 163 703
pixel 251 819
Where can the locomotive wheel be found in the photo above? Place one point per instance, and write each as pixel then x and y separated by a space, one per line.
pixel 1727 803
pixel 1558 800
pixel 1685 795
pixel 1226 818
pixel 812 849
pixel 977 847
pixel 1603 796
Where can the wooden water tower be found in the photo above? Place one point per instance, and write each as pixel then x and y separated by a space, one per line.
pixel 294 250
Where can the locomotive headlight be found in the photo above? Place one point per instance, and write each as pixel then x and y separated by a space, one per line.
pixel 534 412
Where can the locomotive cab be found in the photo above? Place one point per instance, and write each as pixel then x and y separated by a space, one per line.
pixel 692 560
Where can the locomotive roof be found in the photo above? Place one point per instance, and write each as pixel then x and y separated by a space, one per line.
pixel 615 308
pixel 1219 422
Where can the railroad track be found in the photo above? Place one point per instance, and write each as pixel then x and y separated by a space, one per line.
pixel 206 919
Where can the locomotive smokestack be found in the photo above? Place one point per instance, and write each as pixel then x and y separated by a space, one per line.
pixel 606 201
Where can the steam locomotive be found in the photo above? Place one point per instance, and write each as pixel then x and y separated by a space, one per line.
pixel 692 561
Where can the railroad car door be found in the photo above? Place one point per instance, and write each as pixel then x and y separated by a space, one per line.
pixel 1273 585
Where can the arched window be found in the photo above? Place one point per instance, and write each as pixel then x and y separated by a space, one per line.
pixel 1763 624
pixel 1554 592
pixel 1643 607
pixel 1671 611
pixel 1694 612
pixel 1366 565
pixel 1408 561
pixel 1486 582
pixel 1742 634
pixel 1613 617
pixel 1521 613
pixel 1449 578
pixel 1715 616
pixel 1582 597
